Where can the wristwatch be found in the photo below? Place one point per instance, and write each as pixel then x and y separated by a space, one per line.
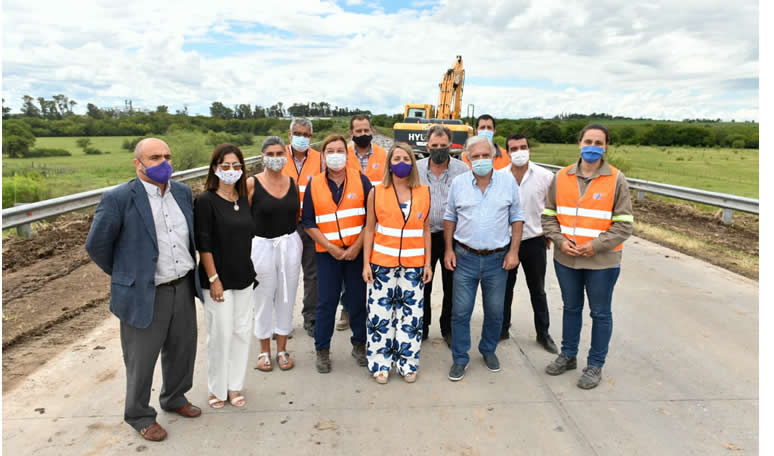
pixel 213 278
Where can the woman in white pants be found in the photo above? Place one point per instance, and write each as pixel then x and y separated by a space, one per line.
pixel 223 227
pixel 276 253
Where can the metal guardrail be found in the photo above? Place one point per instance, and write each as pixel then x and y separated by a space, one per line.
pixel 727 202
pixel 20 215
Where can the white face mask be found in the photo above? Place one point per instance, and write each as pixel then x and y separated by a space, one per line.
pixel 229 177
pixel 520 157
pixel 335 161
pixel 275 163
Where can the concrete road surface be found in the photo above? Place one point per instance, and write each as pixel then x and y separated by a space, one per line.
pixel 681 378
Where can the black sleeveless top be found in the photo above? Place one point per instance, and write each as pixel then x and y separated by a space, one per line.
pixel 274 217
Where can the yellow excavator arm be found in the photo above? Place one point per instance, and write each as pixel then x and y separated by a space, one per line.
pixel 450 101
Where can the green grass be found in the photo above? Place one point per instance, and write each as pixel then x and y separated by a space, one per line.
pixel 723 170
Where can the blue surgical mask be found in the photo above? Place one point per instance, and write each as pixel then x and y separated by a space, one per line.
pixel 489 134
pixel 482 167
pixel 300 143
pixel 591 154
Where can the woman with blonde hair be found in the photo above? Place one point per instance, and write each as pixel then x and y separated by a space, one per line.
pixel 397 248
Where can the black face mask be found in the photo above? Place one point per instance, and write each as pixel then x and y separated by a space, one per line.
pixel 363 140
pixel 439 156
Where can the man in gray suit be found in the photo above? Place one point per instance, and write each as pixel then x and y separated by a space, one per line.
pixel 142 236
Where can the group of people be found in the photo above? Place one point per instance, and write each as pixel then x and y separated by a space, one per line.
pixel 367 227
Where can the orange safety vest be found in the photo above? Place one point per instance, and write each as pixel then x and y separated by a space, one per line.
pixel 312 167
pixel 339 223
pixel 399 240
pixel 376 163
pixel 583 218
pixel 503 161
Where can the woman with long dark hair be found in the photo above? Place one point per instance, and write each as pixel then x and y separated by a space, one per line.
pixel 224 232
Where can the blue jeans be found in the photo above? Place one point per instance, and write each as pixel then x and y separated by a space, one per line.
pixel 598 284
pixel 472 269
pixel 332 274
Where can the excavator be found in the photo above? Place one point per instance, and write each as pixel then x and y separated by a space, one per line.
pixel 417 118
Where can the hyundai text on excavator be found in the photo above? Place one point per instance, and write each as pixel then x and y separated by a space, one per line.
pixel 417 118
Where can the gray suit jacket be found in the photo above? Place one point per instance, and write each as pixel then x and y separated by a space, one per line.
pixel 122 242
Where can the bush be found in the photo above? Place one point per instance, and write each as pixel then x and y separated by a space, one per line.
pixel 738 144
pixel 619 160
pixel 92 151
pixel 83 143
pixel 17 138
pixel 130 144
pixel 188 149
pixel 48 152
pixel 24 189
pixel 239 139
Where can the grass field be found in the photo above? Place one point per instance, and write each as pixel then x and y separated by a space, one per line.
pixel 733 171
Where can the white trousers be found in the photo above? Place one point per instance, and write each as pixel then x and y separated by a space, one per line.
pixel 277 265
pixel 228 340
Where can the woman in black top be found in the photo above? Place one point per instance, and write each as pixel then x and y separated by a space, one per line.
pixel 276 252
pixel 224 229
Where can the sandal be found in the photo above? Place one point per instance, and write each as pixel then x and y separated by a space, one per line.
pixel 410 378
pixel 284 361
pixel 236 401
pixel 265 366
pixel 215 402
pixel 381 377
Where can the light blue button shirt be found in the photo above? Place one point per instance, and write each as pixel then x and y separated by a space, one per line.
pixel 484 219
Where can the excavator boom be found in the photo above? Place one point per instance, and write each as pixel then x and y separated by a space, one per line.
pixel 450 101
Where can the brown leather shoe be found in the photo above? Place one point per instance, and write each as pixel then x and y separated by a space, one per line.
pixel 154 433
pixel 189 410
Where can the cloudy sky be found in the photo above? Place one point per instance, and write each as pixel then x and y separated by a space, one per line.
pixel 523 58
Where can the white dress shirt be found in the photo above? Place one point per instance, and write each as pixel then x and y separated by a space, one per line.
pixel 171 235
pixel 532 193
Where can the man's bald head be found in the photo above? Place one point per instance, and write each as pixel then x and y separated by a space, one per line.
pixel 148 143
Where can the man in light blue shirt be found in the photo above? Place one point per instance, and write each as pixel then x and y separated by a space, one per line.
pixel 483 214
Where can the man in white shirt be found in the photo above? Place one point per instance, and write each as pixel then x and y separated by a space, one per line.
pixel 533 183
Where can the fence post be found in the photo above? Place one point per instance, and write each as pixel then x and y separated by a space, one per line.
pixel 23 231
pixel 728 216
pixel 640 195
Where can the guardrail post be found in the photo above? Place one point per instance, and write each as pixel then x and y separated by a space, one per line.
pixel 23 231
pixel 640 195
pixel 728 216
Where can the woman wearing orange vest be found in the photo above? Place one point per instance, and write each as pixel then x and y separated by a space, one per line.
pixel 588 216
pixel 333 215
pixel 397 246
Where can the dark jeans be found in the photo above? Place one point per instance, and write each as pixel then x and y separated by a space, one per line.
pixel 598 284
pixel 331 274
pixel 532 258
pixel 470 271
pixel 173 333
pixel 438 248
pixel 309 266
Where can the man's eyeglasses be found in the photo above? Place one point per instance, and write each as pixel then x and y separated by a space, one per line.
pixel 227 166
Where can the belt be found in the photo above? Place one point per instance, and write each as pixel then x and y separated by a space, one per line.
pixel 173 283
pixel 482 252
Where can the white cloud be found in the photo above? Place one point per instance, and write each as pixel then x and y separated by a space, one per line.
pixel 522 58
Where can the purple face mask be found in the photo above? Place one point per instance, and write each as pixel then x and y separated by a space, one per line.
pixel 401 169
pixel 159 173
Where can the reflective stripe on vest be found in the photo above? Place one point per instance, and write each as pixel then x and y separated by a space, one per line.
pixel 340 223
pixel 376 163
pixel 583 218
pixel 310 168
pixel 399 241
